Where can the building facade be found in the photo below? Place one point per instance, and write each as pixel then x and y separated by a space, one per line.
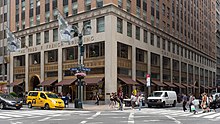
pixel 4 62
pixel 172 40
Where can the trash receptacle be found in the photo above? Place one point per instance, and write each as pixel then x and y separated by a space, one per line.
pixel 78 103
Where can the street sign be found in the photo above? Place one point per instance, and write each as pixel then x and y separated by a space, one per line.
pixel 148 80
pixel 86 69
pixel 73 69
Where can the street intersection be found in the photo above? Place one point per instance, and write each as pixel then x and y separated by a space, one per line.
pixel 128 116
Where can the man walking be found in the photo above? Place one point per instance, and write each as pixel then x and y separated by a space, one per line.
pixel 184 102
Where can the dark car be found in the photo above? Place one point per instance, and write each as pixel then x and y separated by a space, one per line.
pixel 8 101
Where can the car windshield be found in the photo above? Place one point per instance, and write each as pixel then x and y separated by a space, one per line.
pixel 156 94
pixel 6 96
pixel 51 95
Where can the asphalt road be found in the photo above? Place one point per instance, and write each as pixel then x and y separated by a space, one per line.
pixel 145 116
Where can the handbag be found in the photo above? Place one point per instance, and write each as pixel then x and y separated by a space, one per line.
pixel 136 103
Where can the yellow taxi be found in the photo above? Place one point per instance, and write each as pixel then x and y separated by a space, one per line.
pixel 44 100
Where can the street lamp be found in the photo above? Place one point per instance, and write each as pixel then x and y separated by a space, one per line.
pixel 80 75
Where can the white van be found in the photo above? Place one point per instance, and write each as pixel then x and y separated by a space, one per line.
pixel 162 98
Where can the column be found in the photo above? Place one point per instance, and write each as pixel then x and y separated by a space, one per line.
pixel 187 78
pixel 26 72
pixel 60 64
pixel 11 71
pixel 133 64
pixel 42 62
pixel 171 71
pixel 110 57
pixel 161 70
pixel 180 75
pixel 149 68
pixel 199 82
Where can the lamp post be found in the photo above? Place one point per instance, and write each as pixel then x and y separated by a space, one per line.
pixel 80 75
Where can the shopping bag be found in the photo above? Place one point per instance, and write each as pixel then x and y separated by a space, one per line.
pixel 193 107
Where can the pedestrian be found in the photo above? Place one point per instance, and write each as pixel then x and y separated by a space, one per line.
pixel 119 102
pixel 214 103
pixel 140 101
pixel 194 106
pixel 112 102
pixel 191 98
pixel 97 99
pixel 133 100
pixel 204 104
pixel 211 105
pixel 184 102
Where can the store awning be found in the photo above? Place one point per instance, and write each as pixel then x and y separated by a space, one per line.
pixel 141 81
pixel 66 82
pixel 193 86
pixel 202 86
pixel 169 84
pixel 17 82
pixel 158 83
pixel 48 82
pixel 127 80
pixel 179 85
pixel 185 85
pixel 92 80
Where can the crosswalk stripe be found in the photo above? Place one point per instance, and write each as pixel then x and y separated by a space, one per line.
pixel 202 114
pixel 212 116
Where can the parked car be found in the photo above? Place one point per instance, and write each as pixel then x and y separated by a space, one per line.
pixel 162 98
pixel 8 101
pixel 44 100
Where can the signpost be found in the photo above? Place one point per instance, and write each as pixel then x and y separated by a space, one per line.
pixel 148 80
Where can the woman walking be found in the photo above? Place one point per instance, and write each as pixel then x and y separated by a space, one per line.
pixel 140 101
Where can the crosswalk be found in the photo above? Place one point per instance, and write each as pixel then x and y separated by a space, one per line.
pixel 16 115
pixel 179 113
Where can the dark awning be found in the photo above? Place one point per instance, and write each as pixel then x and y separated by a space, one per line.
pixel 169 84
pixel 92 80
pixel 158 83
pixel 202 86
pixel 185 85
pixel 193 86
pixel 17 82
pixel 48 82
pixel 141 81
pixel 66 82
pixel 179 85
pixel 127 80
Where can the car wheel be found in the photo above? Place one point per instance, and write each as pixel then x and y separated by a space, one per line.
pixel 2 106
pixel 163 105
pixel 29 105
pixel 47 107
pixel 18 108
pixel 174 103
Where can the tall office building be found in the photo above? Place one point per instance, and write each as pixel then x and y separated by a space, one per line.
pixel 4 62
pixel 218 43
pixel 173 41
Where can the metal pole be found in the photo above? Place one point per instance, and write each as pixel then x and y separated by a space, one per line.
pixel 80 44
